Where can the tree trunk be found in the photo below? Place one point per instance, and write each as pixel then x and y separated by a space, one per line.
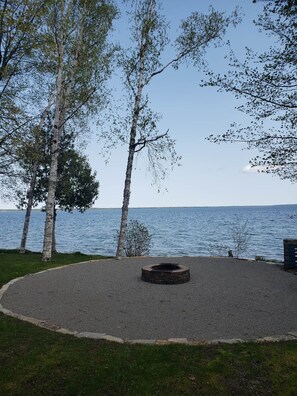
pixel 53 177
pixel 126 200
pixel 30 193
pixel 54 248
pixel 63 92
pixel 30 196
pixel 127 188
pixel 50 204
pixel 133 131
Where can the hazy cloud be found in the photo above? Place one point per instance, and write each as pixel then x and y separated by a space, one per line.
pixel 253 169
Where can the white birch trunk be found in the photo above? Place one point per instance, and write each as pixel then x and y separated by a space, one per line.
pixel 30 193
pixel 53 177
pixel 133 131
pixel 126 200
pixel 63 93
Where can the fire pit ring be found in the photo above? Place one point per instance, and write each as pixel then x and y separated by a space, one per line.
pixel 165 273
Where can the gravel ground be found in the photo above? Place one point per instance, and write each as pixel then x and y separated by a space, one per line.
pixel 225 298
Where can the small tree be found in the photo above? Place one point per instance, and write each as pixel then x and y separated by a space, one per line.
pixel 240 234
pixel 138 239
pixel 77 187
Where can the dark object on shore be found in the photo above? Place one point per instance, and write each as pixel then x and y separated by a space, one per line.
pixel 166 273
pixel 290 254
pixel 230 253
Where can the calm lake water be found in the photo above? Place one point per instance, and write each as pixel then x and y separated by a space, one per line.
pixel 176 231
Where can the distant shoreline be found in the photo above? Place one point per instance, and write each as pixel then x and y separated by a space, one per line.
pixel 168 207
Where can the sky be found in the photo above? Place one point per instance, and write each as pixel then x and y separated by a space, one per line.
pixel 210 174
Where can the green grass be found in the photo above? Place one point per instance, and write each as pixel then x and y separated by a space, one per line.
pixel 14 265
pixel 34 361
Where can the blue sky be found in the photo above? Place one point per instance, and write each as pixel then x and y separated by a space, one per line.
pixel 210 175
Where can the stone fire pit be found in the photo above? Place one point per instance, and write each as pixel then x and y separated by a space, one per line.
pixel 166 273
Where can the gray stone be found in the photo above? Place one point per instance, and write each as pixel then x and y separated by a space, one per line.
pixel 293 334
pixel 178 340
pixel 146 342
pixel 227 341
pixel 113 339
pixel 66 331
pixel 95 336
pixel 276 338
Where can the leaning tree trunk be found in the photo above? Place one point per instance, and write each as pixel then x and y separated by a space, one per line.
pixel 30 196
pixel 132 147
pixel 126 200
pixel 30 193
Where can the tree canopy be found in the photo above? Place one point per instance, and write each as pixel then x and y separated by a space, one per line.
pixel 77 187
pixel 79 53
pixel 268 84
pixel 141 63
pixel 20 25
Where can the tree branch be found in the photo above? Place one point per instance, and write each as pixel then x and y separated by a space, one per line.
pixel 180 56
pixel 143 142
pixel 78 107
pixel 247 93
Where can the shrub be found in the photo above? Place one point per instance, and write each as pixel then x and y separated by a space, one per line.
pixel 138 239
pixel 240 234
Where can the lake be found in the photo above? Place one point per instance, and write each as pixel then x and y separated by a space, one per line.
pixel 189 231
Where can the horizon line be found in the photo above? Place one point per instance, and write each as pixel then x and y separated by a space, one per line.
pixel 172 207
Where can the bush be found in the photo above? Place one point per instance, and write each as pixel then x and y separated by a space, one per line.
pixel 138 239
pixel 240 234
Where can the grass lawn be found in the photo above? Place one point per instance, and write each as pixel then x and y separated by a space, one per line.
pixel 34 361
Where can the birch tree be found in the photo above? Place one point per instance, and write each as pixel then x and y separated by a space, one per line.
pixel 77 187
pixel 77 32
pixel 20 23
pixel 141 64
pixel 33 155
